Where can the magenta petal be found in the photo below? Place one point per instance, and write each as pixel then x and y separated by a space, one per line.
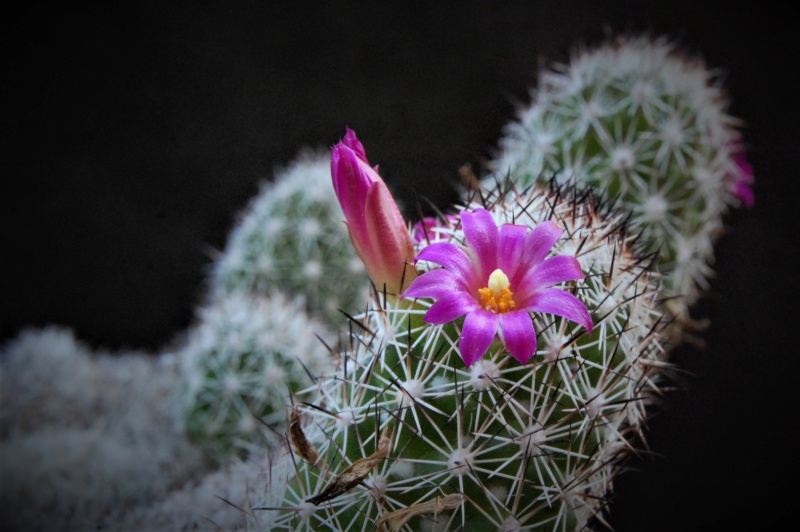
pixel 481 234
pixel 451 257
pixel 390 247
pixel 538 244
pixel 350 184
pixel 560 303
pixel 477 334
pixel 434 284
pixel 351 141
pixel 518 335
pixel 510 249
pixel 745 193
pixel 450 307
pixel 552 271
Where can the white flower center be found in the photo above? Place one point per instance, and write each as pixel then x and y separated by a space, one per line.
pixel 498 281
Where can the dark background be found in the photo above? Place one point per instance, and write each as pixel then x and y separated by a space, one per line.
pixel 133 136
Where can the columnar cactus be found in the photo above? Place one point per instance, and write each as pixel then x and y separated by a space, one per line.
pixel 291 238
pixel 243 363
pixel 410 433
pixel 638 120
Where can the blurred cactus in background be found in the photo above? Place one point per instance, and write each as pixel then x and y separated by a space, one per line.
pixel 639 120
pixel 243 363
pixel 87 434
pixel 292 238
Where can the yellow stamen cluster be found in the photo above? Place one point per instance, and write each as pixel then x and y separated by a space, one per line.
pixel 497 297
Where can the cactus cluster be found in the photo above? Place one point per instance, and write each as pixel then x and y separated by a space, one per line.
pixel 639 120
pixel 373 418
pixel 630 150
pixel 406 437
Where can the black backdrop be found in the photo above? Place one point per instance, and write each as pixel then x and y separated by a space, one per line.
pixel 133 136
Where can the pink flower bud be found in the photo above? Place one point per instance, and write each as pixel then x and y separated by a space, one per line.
pixel 377 229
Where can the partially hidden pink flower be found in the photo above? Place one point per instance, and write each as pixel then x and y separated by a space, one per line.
pixel 497 281
pixel 744 180
pixel 431 229
pixel 377 229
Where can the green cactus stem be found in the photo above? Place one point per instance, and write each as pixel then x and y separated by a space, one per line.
pixel 405 437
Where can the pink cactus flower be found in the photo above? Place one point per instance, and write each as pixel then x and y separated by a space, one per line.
pixel 497 281
pixel 377 229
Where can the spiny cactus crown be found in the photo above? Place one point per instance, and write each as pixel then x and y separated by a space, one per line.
pixel 405 436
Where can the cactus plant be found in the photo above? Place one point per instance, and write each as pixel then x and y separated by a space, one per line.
pixel 86 434
pixel 410 435
pixel 417 428
pixel 295 220
pixel 639 120
pixel 243 362
pixel 481 409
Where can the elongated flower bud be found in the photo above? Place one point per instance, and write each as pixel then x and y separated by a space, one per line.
pixel 377 228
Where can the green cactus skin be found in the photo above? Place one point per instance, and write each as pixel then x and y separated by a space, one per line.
pixel 500 445
pixel 243 361
pixel 292 238
pixel 637 119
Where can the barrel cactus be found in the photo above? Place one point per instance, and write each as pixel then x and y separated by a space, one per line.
pixel 410 433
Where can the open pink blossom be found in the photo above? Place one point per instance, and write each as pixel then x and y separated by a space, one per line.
pixel 376 227
pixel 497 281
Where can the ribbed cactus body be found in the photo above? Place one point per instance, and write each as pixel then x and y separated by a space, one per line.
pixel 292 238
pixel 243 362
pixel 638 120
pixel 406 437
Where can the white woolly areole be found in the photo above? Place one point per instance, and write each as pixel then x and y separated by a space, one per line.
pixel 459 461
pixel 482 373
